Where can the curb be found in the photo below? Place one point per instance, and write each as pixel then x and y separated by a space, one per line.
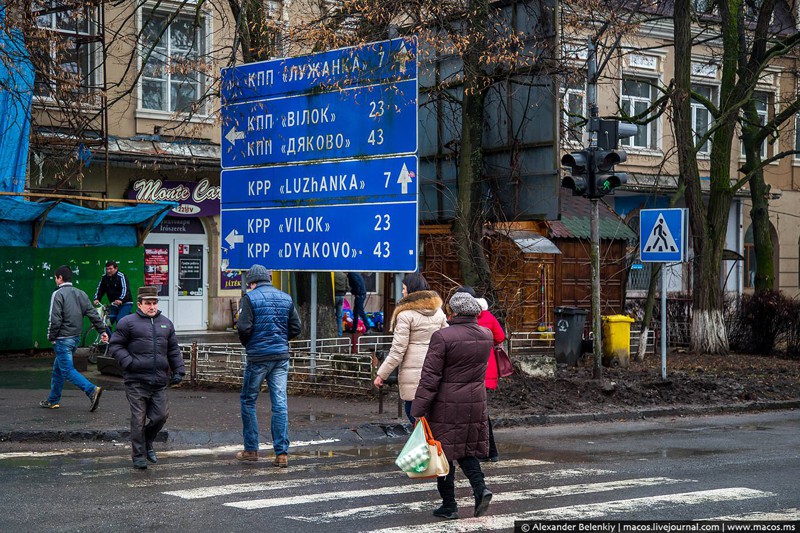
pixel 374 431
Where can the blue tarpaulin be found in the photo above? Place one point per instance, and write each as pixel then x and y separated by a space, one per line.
pixel 64 225
pixel 16 93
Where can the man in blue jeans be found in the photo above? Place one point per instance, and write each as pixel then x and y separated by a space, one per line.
pixel 68 306
pixel 267 320
pixel 359 291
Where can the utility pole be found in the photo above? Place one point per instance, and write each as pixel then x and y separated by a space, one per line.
pixel 597 326
pixel 592 176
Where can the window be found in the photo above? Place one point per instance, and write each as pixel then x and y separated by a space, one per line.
pixel 797 136
pixel 761 99
pixel 64 52
pixel 749 259
pixel 701 116
pixel 172 54
pixel 637 96
pixel 573 107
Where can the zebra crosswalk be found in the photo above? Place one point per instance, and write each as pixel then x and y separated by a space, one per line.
pixel 368 494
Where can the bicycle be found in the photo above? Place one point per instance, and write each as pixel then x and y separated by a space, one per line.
pixel 92 340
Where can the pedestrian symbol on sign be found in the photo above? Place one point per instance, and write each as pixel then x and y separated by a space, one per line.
pixel 660 239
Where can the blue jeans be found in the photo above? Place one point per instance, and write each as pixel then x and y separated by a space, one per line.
pixel 358 311
pixel 115 314
pixel 63 369
pixel 275 372
pixel 339 314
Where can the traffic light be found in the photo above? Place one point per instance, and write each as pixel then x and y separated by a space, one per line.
pixel 578 180
pixel 605 179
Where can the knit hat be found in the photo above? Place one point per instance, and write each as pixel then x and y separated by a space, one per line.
pixel 148 292
pixel 483 303
pixel 258 273
pixel 461 303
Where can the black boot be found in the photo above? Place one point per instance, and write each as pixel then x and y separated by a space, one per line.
pixel 447 490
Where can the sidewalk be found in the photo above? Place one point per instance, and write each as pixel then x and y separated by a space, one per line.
pixel 204 418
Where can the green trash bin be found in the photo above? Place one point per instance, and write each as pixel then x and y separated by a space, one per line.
pixel 617 340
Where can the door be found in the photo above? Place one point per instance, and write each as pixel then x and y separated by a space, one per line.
pixel 190 285
pixel 177 265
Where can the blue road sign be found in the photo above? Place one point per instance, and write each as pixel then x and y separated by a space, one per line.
pixel 662 235
pixel 356 122
pixel 390 179
pixel 371 63
pixel 379 237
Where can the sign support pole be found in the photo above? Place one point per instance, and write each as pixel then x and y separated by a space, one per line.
pixel 312 365
pixel 663 321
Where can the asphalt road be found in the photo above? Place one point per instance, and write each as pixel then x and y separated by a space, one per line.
pixel 729 467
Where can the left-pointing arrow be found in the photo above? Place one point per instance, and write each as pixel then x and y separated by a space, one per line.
pixel 234 135
pixel 234 238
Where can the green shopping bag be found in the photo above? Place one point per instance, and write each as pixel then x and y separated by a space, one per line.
pixel 415 455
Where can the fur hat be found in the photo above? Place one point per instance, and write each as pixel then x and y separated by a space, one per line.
pixel 483 303
pixel 461 303
pixel 148 292
pixel 258 273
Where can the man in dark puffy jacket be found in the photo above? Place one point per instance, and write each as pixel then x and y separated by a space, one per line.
pixel 267 320
pixel 146 348
pixel 68 306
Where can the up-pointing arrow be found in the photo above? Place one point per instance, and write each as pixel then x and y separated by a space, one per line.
pixel 232 136
pixel 405 178
pixel 234 238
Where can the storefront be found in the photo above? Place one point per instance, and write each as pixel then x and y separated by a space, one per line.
pixel 177 251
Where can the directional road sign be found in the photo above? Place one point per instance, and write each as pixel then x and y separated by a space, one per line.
pixel 360 237
pixel 371 63
pixel 356 122
pixel 662 235
pixel 390 179
pixel 319 159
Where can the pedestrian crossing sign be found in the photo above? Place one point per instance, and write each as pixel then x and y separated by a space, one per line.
pixel 662 235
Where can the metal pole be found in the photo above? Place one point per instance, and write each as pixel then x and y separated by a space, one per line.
pixel 596 321
pixel 663 321
pixel 595 248
pixel 312 369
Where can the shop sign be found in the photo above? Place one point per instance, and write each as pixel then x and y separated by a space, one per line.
pixel 195 199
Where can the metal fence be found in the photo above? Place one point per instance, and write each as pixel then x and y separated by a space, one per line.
pixel 334 369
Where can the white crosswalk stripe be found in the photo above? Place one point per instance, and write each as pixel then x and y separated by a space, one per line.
pixel 240 488
pixel 375 511
pixel 590 511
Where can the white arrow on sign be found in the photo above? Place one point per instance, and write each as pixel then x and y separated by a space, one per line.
pixel 405 178
pixel 234 238
pixel 234 135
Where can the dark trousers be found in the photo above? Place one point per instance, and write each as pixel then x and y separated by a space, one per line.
pixel 447 485
pixel 492 445
pixel 149 413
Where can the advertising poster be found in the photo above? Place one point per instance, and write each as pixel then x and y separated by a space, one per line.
pixel 156 267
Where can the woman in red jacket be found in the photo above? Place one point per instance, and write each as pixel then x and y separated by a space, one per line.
pixel 488 320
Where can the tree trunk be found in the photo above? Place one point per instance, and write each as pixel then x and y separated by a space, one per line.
pixel 708 225
pixel 649 305
pixel 468 224
pixel 759 195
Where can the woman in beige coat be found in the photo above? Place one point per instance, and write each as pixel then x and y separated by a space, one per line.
pixel 417 316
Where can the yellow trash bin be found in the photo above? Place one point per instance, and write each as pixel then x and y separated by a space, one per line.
pixel 617 340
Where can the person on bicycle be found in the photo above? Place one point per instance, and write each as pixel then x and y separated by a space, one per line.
pixel 114 285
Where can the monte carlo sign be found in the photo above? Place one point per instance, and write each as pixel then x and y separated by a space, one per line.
pixel 194 198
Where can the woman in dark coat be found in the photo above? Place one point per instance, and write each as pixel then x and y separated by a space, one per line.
pixel 452 396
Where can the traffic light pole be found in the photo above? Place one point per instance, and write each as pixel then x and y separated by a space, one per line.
pixel 595 232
